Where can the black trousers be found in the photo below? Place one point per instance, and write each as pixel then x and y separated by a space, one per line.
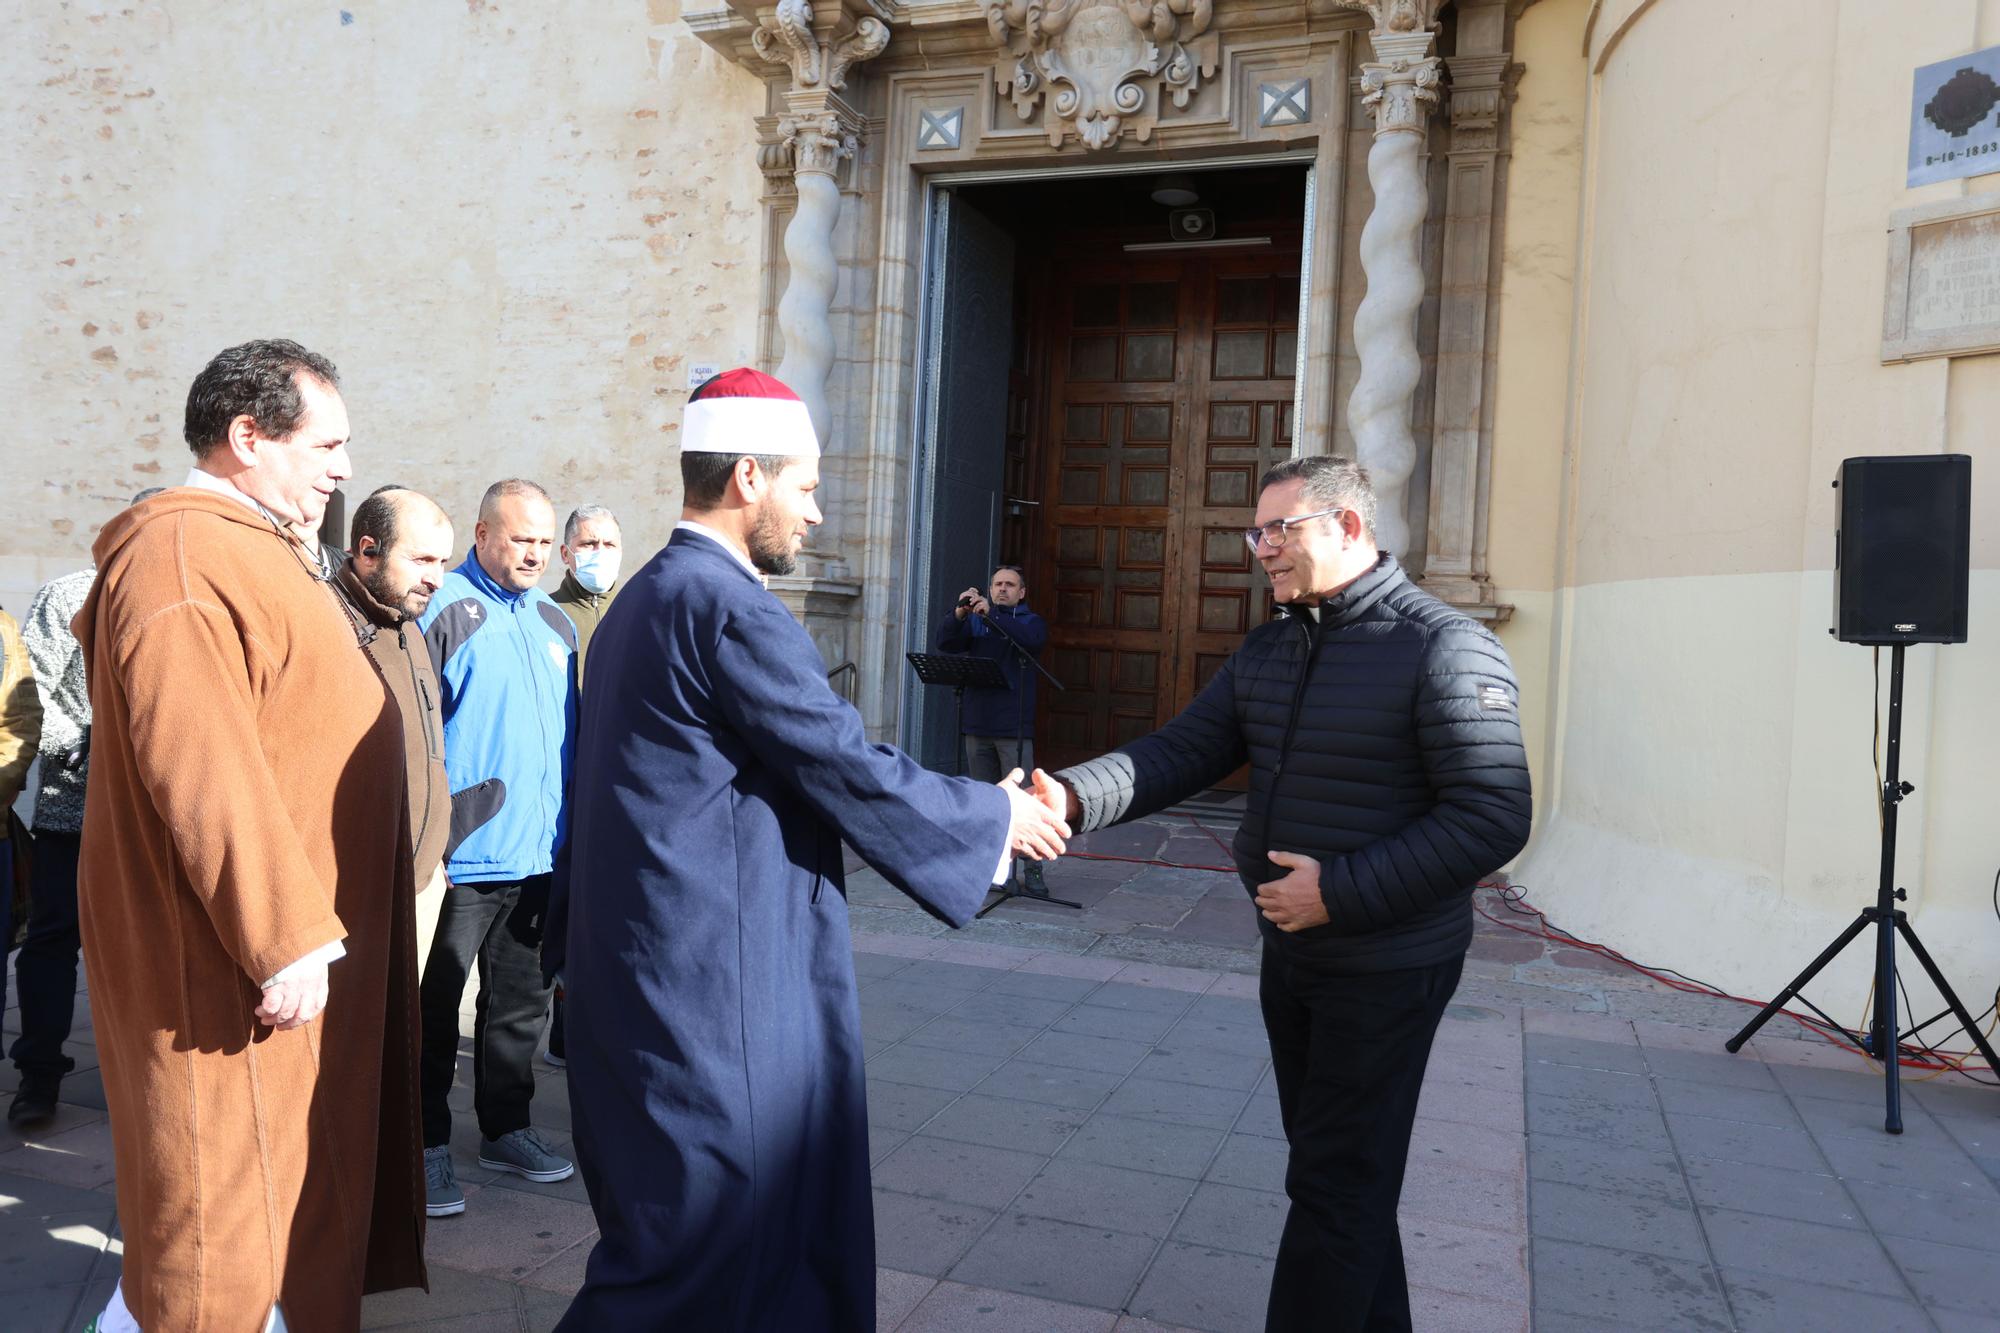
pixel 1348 1053
pixel 491 923
pixel 45 970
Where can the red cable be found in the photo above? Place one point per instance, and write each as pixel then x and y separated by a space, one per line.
pixel 1812 1024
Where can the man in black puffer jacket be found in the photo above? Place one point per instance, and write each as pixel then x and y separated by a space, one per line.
pixel 1383 736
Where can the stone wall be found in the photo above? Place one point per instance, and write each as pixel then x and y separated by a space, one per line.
pixel 512 225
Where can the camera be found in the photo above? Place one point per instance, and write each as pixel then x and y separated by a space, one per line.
pixel 967 600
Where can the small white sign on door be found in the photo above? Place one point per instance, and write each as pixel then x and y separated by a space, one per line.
pixel 700 373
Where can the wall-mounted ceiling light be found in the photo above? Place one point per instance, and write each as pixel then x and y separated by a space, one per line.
pixel 1175 191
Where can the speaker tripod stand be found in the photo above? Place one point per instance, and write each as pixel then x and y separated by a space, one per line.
pixel 1883 1039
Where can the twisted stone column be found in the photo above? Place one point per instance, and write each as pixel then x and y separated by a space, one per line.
pixel 818 142
pixel 1399 87
pixel 820 45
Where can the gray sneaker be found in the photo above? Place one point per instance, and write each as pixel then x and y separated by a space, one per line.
pixel 525 1155
pixel 442 1196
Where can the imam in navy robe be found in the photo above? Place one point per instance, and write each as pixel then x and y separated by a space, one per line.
pixel 700 928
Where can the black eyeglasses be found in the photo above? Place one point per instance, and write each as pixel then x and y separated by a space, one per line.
pixel 1275 533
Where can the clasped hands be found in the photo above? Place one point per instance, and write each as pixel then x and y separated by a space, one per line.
pixel 1036 827
pixel 294 1001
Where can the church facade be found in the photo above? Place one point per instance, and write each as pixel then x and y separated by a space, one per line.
pixel 1601 290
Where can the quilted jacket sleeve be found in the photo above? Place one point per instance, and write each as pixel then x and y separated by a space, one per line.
pixel 1193 752
pixel 1468 726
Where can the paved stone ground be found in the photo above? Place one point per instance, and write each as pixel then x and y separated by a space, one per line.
pixel 1073 1129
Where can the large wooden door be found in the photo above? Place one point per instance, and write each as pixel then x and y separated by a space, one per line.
pixel 1169 390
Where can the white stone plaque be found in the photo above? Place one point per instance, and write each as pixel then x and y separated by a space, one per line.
pixel 1943 296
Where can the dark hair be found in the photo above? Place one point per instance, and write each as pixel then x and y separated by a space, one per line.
pixel 705 476
pixel 254 379
pixel 1330 482
pixel 1015 570
pixel 381 516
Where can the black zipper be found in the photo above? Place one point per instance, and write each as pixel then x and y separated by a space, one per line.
pixel 431 747
pixel 1292 722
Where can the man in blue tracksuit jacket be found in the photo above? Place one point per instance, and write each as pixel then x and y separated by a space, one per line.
pixel 506 662
pixel 999 724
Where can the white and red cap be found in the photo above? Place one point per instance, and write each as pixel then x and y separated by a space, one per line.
pixel 745 411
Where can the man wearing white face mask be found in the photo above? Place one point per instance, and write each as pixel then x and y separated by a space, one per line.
pixel 591 547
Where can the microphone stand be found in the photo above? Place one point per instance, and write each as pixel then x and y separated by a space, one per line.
pixel 1030 888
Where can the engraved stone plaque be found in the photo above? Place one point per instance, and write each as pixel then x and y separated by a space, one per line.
pixel 1943 296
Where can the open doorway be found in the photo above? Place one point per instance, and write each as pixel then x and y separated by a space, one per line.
pixel 1104 384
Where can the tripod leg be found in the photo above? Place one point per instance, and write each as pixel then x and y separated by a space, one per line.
pixel 1799 983
pixel 1944 988
pixel 1882 1030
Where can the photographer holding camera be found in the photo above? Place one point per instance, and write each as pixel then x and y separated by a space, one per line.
pixel 999 725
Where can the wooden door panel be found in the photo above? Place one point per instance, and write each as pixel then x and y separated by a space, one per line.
pixel 1169 391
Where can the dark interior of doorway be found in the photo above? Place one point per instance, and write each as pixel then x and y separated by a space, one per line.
pixel 1147 382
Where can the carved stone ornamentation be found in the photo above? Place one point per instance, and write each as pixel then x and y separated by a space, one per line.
pixel 787 38
pixel 1101 66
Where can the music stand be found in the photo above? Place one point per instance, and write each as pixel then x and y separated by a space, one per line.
pixel 958 671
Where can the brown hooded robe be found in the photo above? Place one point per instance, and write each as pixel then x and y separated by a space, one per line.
pixel 246 807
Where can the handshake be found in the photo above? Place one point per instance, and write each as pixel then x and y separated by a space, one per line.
pixel 1040 815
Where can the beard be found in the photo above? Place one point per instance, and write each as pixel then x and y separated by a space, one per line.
pixel 399 600
pixel 771 543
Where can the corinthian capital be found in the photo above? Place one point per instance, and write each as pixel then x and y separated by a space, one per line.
pixel 1401 88
pixel 821 50
pixel 818 140
pixel 1395 16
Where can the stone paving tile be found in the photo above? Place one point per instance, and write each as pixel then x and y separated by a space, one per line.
pixel 924 1236
pixel 1042 985
pixel 998 1006
pixel 564 1273
pixel 1804 1196
pixel 1621 1221
pixel 1956 1321
pixel 1609 1087
pixel 934 1066
pixel 1576 1118
pixel 1228 1217
pixel 1644 1289
pixel 1472 1261
pixel 80 1157
pixel 1003 1122
pixel 1261 1117
pixel 1456 1192
pixel 1124 1024
pixel 1123 994
pixel 1884 1160
pixel 1068 965
pixel 953 1307
pixel 1079 1051
pixel 505 1233
pixel 1969 1217
pixel 897 1294
pixel 1587 1027
pixel 1204 1068
pixel 1804 1251
pixel 1765 1303
pixel 1731 1071
pixel 882 1142
pixel 1255 1162
pixel 1179 1103
pixel 1948 1277
pixel 1145 1145
pixel 1091 1194
pixel 1053 1085
pixel 1469 1103
pixel 958 974
pixel 1833 1117
pixel 453 1295
pixel 1486 1149
pixel 1201 1288
pixel 903 1106
pixel 935 1168
pixel 952 1033
pixel 1450 1312
pixel 1198 1032
pixel 1606 1167
pixel 1849 1084
pixel 1584 1054
pixel 1060 1261
pixel 1740 1141
pixel 1721 1102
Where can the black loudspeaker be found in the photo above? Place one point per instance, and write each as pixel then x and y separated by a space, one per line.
pixel 1902 553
